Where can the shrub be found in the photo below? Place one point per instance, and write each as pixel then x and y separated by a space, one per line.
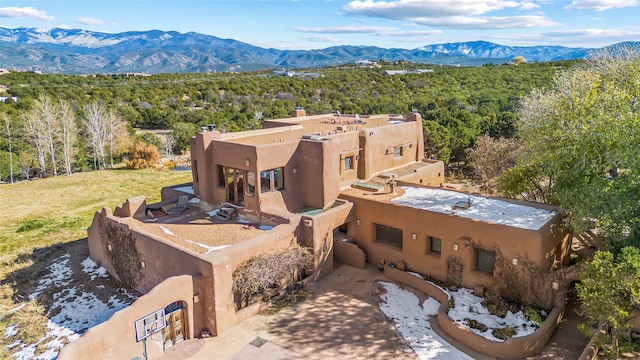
pixel 474 324
pixel 504 333
pixel 142 156
pixel 270 271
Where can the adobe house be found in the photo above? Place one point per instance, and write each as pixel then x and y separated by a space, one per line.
pixel 343 186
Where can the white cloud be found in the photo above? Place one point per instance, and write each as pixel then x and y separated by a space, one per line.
pixel 325 38
pixel 590 38
pixel 24 13
pixel 601 5
pixel 90 21
pixel 615 35
pixel 470 22
pixel 408 9
pixel 451 14
pixel 375 30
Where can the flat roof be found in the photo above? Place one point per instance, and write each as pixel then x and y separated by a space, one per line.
pixel 198 230
pixel 321 126
pixel 481 208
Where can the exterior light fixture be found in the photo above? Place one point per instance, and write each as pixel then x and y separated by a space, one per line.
pixel 414 236
pixel 358 222
pixel 455 247
pixel 247 162
pixel 555 285
pixel 514 261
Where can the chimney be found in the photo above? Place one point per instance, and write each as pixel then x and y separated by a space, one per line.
pixel 299 111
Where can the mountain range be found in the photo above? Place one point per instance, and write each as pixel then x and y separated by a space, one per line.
pixel 76 51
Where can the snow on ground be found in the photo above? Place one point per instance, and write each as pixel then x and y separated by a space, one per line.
pixel 412 320
pixel 482 208
pixel 469 306
pixel 412 323
pixel 75 308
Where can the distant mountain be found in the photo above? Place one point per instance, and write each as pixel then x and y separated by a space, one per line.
pixel 75 51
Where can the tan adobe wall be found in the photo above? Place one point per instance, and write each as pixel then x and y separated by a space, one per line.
pixel 314 171
pixel 349 253
pixel 458 237
pixel 161 259
pixel 431 174
pixel 378 147
pixel 317 232
pixel 116 337
pixel 514 348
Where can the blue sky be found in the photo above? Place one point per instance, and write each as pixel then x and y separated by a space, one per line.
pixel 314 24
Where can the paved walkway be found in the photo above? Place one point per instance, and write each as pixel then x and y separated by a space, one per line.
pixel 339 320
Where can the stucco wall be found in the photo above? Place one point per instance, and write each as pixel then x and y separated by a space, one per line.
pixel 161 259
pixel 431 174
pixel 116 337
pixel 459 237
pixel 378 143
pixel 317 232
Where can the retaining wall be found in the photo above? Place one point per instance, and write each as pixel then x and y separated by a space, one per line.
pixel 514 348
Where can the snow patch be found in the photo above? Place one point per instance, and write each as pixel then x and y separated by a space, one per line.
pixel 10 331
pixel 412 323
pixel 90 267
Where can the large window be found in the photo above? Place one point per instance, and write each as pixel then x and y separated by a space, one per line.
pixel 271 180
pixel 485 260
pixel 389 235
pixel 434 245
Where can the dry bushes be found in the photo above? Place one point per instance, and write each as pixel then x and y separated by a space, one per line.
pixel 142 156
pixel 273 270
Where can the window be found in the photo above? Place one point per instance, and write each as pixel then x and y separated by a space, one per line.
pixel 271 180
pixel 435 245
pixel 389 235
pixel 251 183
pixel 221 177
pixel 485 260
pixel 397 151
pixel 348 163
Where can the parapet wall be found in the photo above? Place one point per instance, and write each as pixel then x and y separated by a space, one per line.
pixel 116 337
pixel 514 348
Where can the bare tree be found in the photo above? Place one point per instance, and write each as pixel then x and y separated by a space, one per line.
pixel 6 120
pixel 35 132
pixel 490 157
pixel 69 133
pixel 96 128
pixel 169 143
pixel 107 131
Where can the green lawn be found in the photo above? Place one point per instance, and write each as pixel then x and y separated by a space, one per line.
pixel 58 210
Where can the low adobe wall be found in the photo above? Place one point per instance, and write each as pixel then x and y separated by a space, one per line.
pixel 348 252
pixel 116 337
pixel 514 348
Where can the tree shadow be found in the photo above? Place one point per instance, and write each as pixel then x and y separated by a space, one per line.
pixel 341 322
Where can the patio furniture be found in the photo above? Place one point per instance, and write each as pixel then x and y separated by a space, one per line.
pixel 180 207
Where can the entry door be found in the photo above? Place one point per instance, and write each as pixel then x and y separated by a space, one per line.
pixel 235 186
pixel 174 333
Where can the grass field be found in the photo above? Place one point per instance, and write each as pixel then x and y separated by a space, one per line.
pixel 57 210
pixel 41 220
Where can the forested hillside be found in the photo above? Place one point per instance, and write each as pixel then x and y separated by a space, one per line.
pixel 457 104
